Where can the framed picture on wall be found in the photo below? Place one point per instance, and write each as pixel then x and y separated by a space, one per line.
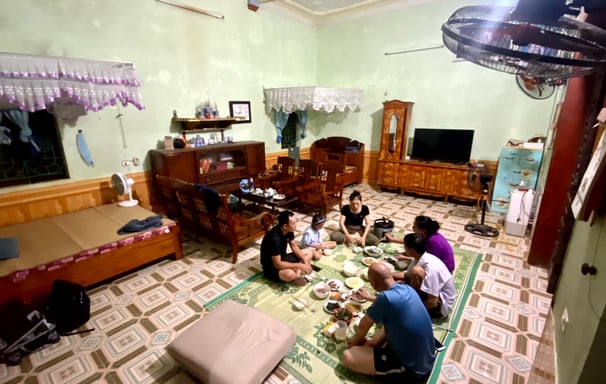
pixel 241 111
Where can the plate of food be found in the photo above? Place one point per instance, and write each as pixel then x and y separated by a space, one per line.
pixel 331 305
pixel 279 196
pixel 335 285
pixel 355 296
pixel 354 282
pixel 373 251
pixel 368 261
pixel 353 306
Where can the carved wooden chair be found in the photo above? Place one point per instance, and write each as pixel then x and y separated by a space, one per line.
pixel 286 178
pixel 326 191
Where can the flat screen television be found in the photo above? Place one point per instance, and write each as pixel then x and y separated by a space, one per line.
pixel 446 145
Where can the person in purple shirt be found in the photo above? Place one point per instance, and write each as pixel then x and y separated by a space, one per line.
pixel 435 243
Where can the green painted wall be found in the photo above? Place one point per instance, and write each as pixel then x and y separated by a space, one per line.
pixel 181 57
pixel 184 58
pixel 581 346
pixel 446 94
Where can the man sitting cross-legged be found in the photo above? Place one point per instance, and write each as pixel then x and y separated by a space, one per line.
pixel 279 265
pixel 405 345
pixel 428 275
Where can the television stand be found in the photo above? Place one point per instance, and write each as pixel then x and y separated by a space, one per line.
pixel 436 179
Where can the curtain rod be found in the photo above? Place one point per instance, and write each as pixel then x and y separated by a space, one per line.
pixel 415 49
pixel 192 9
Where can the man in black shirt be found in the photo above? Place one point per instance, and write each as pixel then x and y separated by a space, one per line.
pixel 279 265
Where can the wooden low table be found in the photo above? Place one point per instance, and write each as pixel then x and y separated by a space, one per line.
pixel 268 201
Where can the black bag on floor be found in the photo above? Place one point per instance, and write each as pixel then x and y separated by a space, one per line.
pixel 69 306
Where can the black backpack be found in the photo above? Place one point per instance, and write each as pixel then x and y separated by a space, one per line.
pixel 69 306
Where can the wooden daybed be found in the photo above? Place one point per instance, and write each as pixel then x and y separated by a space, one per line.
pixel 82 247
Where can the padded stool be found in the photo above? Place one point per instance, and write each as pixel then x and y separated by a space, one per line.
pixel 233 344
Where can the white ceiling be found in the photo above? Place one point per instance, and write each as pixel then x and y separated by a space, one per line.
pixel 324 12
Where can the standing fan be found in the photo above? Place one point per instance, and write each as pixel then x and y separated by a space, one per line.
pixel 536 38
pixel 122 186
pixel 478 179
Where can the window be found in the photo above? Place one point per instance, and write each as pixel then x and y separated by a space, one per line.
pixel 37 160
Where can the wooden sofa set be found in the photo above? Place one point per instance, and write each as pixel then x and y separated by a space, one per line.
pixel 206 211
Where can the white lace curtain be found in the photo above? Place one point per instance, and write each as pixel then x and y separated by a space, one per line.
pixel 293 99
pixel 67 87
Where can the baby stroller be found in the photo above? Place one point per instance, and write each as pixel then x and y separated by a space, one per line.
pixel 22 331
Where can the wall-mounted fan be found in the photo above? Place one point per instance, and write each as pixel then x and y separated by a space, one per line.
pixel 122 186
pixel 535 87
pixel 478 180
pixel 537 38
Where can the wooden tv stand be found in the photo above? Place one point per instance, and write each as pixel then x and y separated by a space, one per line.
pixel 435 179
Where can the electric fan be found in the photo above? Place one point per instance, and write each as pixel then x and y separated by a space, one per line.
pixel 536 87
pixel 478 179
pixel 536 38
pixel 123 185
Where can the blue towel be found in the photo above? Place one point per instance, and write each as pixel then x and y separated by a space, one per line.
pixel 137 225
pixel 9 248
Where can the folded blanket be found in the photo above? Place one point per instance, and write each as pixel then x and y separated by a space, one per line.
pixel 137 225
pixel 9 248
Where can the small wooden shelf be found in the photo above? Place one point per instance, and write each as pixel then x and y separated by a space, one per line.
pixel 190 124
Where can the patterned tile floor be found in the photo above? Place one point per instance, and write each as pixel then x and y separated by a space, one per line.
pixel 136 316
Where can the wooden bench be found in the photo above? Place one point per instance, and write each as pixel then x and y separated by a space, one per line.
pixel 344 150
pixel 204 210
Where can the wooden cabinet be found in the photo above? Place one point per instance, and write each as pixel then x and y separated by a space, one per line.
pixel 426 178
pixel 220 166
pixel 394 130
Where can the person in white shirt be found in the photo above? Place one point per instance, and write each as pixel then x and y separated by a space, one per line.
pixel 429 276
pixel 312 237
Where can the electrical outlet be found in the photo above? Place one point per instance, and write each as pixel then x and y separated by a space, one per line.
pixel 565 319
pixel 136 161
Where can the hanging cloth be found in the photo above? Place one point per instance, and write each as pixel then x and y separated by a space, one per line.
pixel 281 119
pixel 21 119
pixel 83 149
pixel 302 115
pixel 5 134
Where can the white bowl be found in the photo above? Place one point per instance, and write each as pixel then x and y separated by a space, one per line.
pixel 327 252
pixel 350 269
pixel 322 290
pixel 299 304
pixel 357 249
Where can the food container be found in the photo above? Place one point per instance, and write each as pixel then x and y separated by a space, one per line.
pixel 350 269
pixel 322 290
pixel 382 227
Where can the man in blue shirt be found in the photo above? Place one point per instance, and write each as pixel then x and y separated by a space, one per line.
pixel 405 345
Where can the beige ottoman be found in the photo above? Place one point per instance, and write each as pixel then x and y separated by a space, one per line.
pixel 233 344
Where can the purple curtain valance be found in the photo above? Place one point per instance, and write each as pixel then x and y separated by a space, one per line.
pixel 66 87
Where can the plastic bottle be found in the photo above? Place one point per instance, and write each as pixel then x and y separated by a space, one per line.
pixel 251 184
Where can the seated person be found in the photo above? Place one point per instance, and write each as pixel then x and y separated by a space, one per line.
pixel 435 243
pixel 354 224
pixel 279 265
pixel 312 237
pixel 405 345
pixel 428 276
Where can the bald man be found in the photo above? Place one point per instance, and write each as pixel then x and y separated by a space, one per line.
pixel 405 344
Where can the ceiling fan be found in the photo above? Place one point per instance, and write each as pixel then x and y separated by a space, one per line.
pixel 536 38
